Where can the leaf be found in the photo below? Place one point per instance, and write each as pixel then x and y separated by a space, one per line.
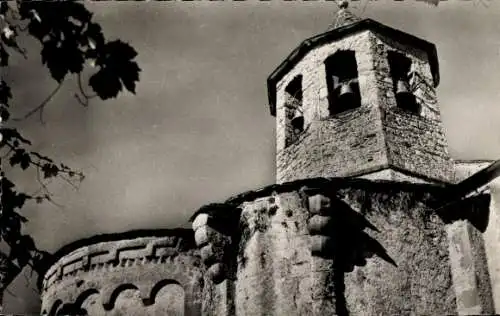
pixel 50 170
pixel 94 33
pixel 11 134
pixel 4 113
pixel 5 93
pixel 4 56
pixel 27 242
pixel 105 83
pixel 20 157
pixel 117 69
pixel 52 57
pixel 12 200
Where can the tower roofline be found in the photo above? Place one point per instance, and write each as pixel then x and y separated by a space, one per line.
pixel 366 24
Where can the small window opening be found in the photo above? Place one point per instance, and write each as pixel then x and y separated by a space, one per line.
pixel 294 110
pixel 342 82
pixel 400 67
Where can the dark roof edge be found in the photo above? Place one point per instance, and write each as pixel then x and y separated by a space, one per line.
pixel 319 182
pixel 140 233
pixel 473 161
pixel 338 33
pixel 478 179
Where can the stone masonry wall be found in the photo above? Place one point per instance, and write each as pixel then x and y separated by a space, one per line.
pixel 274 259
pixel 375 135
pixel 331 146
pixel 415 142
pixel 352 246
pixel 141 276
pixel 419 282
pixel 342 146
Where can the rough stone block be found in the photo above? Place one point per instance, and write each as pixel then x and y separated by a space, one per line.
pixel 212 253
pixel 217 272
pixel 319 224
pixel 319 204
pixel 205 234
pixel 200 220
pixel 322 246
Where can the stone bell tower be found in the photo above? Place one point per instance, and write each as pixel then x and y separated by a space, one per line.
pixel 359 100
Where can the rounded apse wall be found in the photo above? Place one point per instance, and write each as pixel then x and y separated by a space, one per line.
pixel 134 273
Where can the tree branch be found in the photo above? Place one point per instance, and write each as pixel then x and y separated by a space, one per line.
pixel 41 107
pixel 86 97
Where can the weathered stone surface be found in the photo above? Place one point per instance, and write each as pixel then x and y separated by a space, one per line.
pixel 131 276
pixel 216 271
pixel 415 239
pixel 491 239
pixel 322 245
pixel 205 234
pixel 211 253
pixel 319 204
pixel 200 220
pixel 463 269
pixel 408 233
pixel 274 257
pixel 319 224
pixel 376 135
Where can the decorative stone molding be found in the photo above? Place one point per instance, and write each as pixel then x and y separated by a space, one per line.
pixel 107 268
pixel 107 255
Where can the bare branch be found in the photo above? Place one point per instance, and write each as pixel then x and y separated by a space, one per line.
pixel 41 107
pixel 85 96
pixel 48 194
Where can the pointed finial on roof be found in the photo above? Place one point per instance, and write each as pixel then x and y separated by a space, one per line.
pixel 344 16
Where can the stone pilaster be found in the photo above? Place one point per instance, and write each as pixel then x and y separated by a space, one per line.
pixel 463 269
pixel 491 242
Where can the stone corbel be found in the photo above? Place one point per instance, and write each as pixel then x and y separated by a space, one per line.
pixel 214 236
pixel 322 236
pixel 320 224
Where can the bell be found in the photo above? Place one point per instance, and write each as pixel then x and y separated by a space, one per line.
pixel 298 120
pixel 404 98
pixel 346 96
pixel 402 88
pixel 345 90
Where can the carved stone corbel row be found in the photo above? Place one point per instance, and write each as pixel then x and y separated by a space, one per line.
pixel 214 244
pixel 320 225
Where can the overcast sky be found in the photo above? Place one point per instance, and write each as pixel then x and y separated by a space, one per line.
pixel 199 130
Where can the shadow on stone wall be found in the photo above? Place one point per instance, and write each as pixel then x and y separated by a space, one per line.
pixel 476 210
pixel 350 246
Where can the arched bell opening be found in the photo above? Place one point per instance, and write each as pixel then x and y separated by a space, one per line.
pixel 342 82
pixel 400 67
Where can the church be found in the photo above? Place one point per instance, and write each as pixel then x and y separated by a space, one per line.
pixel 369 214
